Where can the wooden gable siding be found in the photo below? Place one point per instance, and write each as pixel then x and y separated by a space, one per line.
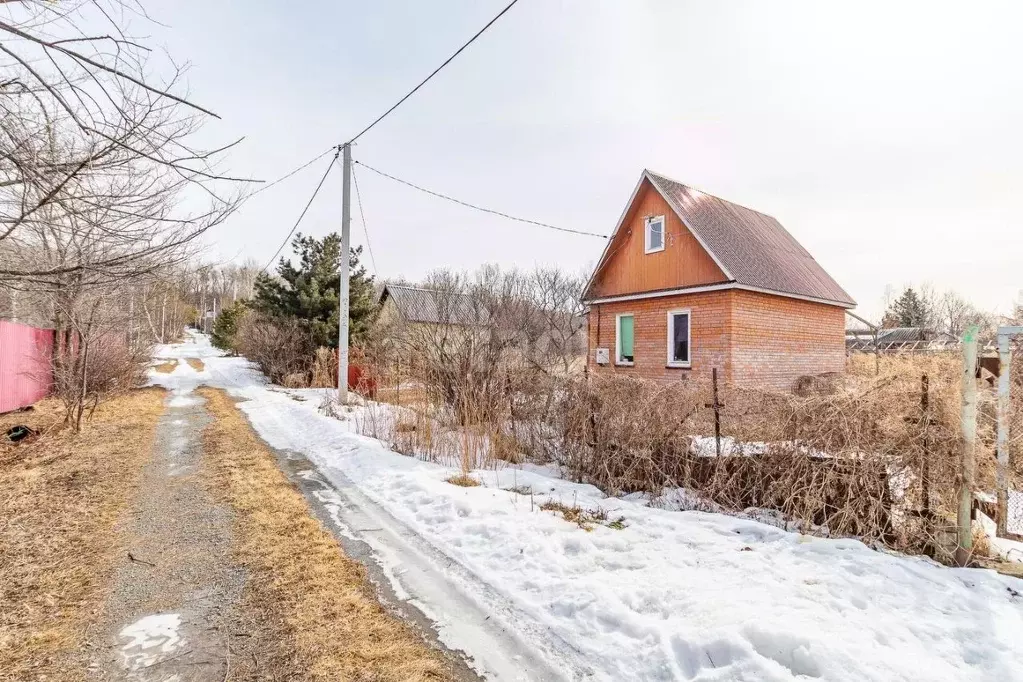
pixel 628 270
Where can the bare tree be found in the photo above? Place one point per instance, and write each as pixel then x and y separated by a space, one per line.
pixel 94 151
pixel 102 190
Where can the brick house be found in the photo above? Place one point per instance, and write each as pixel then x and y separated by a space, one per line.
pixel 688 282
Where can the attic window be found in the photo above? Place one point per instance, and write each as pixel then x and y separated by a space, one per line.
pixel 654 234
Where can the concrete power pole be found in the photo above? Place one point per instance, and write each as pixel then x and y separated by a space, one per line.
pixel 968 465
pixel 346 218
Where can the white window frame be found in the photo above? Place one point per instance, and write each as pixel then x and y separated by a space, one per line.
pixel 672 362
pixel 646 234
pixel 618 336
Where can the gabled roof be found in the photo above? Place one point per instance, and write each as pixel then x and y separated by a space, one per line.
pixel 751 248
pixel 416 304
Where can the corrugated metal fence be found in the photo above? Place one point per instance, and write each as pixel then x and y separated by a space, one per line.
pixel 25 374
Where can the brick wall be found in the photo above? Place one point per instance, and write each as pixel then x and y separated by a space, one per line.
pixel 753 339
pixel 778 339
pixel 710 322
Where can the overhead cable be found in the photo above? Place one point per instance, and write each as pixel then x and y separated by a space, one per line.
pixel 480 208
pixel 362 215
pixel 434 73
pixel 304 210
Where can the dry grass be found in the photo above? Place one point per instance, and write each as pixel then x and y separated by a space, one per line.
pixel 463 480
pixel 582 517
pixel 62 495
pixel 166 367
pixel 196 364
pixel 324 622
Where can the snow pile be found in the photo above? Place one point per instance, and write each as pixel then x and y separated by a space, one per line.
pixel 674 595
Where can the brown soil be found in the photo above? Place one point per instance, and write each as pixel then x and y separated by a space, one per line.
pixel 166 367
pixel 196 364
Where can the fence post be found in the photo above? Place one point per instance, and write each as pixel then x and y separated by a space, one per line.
pixel 925 465
pixel 1004 366
pixel 969 427
pixel 717 412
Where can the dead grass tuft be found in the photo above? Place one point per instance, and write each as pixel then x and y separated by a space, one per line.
pixel 582 517
pixel 463 480
pixel 324 623
pixel 196 364
pixel 520 490
pixel 62 495
pixel 166 367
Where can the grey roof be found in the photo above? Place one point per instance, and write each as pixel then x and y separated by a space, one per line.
pixel 910 334
pixel 753 249
pixel 416 304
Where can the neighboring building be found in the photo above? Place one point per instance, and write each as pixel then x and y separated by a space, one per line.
pixel 688 282
pixel 401 303
pixel 419 318
pixel 897 339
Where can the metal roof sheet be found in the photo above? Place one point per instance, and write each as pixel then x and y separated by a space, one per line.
pixel 416 304
pixel 752 248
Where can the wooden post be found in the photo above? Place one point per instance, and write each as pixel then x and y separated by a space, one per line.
pixel 968 465
pixel 925 464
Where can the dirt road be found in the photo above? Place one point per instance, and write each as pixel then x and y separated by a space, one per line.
pixel 168 616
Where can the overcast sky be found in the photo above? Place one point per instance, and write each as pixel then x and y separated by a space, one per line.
pixel 887 137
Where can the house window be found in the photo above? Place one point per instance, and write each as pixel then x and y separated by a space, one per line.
pixel 679 338
pixel 655 234
pixel 624 339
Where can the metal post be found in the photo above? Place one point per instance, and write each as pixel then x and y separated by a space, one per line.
pixel 969 428
pixel 717 412
pixel 346 219
pixel 925 463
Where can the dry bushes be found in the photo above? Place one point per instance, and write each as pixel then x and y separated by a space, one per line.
pixel 322 623
pixel 845 461
pixel 280 347
pixel 865 458
pixel 96 365
pixel 62 495
pixel 859 455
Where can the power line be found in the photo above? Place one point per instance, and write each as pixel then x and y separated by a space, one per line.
pixel 435 72
pixel 480 208
pixel 362 216
pixel 304 210
pixel 289 174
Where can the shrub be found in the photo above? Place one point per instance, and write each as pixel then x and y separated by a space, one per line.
pixel 94 366
pixel 225 329
pixel 281 347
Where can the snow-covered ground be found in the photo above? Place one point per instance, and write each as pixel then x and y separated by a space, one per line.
pixel 672 596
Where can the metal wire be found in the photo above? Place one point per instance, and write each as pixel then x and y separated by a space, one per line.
pixel 480 208
pixel 304 210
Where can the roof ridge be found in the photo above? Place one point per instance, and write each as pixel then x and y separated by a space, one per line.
pixel 414 288
pixel 703 191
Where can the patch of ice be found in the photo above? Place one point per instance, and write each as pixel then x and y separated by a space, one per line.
pixel 149 639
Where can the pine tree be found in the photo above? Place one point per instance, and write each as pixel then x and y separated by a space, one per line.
pixel 908 310
pixel 226 326
pixel 309 292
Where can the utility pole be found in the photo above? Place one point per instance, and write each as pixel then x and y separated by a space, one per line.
pixel 346 219
pixel 968 465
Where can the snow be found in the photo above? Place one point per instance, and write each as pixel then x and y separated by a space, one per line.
pixel 675 595
pixel 150 639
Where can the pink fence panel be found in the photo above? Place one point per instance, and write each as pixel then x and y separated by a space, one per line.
pixel 25 374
